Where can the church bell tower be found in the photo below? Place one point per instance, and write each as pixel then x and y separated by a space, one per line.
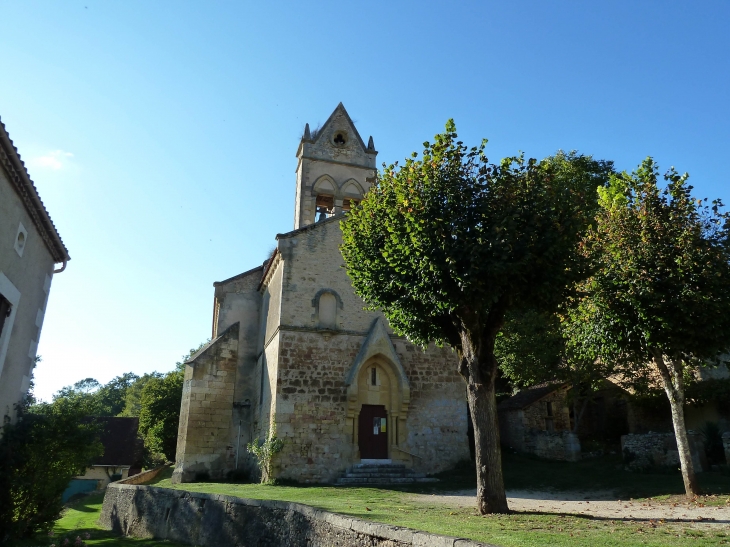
pixel 334 171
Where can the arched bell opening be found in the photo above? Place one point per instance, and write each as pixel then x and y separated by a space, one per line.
pixel 324 207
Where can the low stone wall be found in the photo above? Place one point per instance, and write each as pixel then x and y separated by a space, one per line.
pixel 215 520
pixel 144 476
pixel 560 445
pixel 660 450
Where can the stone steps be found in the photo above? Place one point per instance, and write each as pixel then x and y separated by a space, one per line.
pixel 387 480
pixel 382 473
pixel 374 475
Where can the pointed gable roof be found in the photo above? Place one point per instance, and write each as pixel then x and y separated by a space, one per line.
pixel 340 110
pixel 377 343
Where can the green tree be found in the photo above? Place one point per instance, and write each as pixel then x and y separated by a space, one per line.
pixel 160 414
pixel 100 400
pixel 82 394
pixel 133 394
pixel 532 349
pixel 112 396
pixel 49 444
pixel 447 244
pixel 656 307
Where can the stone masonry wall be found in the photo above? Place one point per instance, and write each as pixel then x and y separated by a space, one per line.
pixel 437 415
pixel 535 415
pixel 203 444
pixel 194 518
pixel 311 407
pixel 660 449
pixel 561 446
pixel 312 261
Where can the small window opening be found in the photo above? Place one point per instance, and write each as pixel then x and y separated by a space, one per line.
pixel 373 376
pixel 549 421
pixel 20 239
pixel 325 207
pixel 340 139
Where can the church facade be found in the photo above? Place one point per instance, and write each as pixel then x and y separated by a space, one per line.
pixel 293 348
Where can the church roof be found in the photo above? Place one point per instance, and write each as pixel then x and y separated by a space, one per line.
pixel 23 185
pixel 239 276
pixel 310 226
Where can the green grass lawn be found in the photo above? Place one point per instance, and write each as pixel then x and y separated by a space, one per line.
pixel 397 506
pixel 78 520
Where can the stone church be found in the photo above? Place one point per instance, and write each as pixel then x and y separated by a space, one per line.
pixel 292 347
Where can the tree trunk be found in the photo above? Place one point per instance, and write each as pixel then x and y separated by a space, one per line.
pixel 479 369
pixel 672 379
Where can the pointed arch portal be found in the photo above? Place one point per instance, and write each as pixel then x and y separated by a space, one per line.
pixel 378 395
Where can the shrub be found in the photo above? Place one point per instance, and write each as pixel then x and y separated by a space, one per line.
pixel 264 453
pixel 39 454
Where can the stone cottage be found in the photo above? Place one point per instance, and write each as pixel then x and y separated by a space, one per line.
pixel 541 420
pixel 293 348
pixel 537 421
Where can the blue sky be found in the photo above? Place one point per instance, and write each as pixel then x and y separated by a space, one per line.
pixel 162 135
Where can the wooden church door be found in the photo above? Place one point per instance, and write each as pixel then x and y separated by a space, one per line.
pixel 372 432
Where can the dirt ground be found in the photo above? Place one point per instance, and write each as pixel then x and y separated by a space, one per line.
pixel 601 505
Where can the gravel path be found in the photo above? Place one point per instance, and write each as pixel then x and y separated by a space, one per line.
pixel 596 504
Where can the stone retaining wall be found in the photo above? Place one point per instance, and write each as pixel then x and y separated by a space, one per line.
pixel 660 449
pixel 215 520
pixel 144 476
pixel 560 445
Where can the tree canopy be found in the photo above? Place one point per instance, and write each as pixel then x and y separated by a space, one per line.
pixel 451 237
pixel 447 244
pixel 39 454
pixel 656 305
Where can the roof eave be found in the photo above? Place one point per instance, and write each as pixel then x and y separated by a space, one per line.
pixel 20 179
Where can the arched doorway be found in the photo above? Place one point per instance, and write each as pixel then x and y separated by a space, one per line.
pixel 375 399
pixel 373 434
pixel 378 395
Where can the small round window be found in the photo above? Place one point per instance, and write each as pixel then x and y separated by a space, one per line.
pixel 340 138
pixel 21 241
